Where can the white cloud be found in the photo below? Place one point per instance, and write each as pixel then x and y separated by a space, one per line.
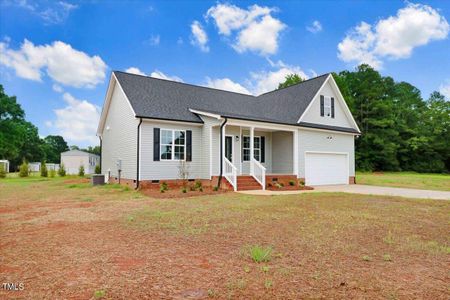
pixel 259 82
pixel 60 61
pixel 199 37
pixel 77 122
pixel 154 40
pixel 57 88
pixel 134 70
pixel 54 13
pixel 395 37
pixel 227 85
pixel 161 75
pixel 265 81
pixel 315 27
pixel 256 29
pixel 444 89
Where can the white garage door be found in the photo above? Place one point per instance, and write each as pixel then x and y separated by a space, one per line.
pixel 326 168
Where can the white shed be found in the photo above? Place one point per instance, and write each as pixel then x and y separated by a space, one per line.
pixel 4 164
pixel 73 159
pixel 34 166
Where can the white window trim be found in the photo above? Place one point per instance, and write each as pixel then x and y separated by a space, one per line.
pixel 172 145
pixel 254 148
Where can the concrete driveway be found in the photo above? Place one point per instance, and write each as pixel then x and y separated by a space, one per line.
pixel 363 189
pixel 385 191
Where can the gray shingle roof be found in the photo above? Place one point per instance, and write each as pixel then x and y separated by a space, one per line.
pixel 170 100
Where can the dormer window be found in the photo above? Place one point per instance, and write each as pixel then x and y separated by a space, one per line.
pixel 326 106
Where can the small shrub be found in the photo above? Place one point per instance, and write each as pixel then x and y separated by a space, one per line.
pixel 98 170
pixel 23 169
pixel 198 185
pixel 302 183
pixel 265 269
pixel 291 182
pixel 52 173
pixel 2 170
pixel 268 284
pixel 366 258
pixel 44 171
pixel 81 171
pixel 163 187
pixel 62 170
pixel 200 189
pixel 260 254
pixel 184 190
pixel 216 188
pixel 278 185
pixel 99 294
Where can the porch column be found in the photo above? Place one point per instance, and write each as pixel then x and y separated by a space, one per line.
pixel 252 152
pixel 240 150
pixel 295 152
pixel 223 145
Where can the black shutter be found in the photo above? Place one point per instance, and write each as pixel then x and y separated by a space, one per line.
pixel 156 132
pixel 322 109
pixel 188 145
pixel 332 107
pixel 263 149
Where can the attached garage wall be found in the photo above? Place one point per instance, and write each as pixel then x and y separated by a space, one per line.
pixel 315 140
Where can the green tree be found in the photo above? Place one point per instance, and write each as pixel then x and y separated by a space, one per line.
pixel 53 146
pixel 19 139
pixel 23 169
pixel 290 79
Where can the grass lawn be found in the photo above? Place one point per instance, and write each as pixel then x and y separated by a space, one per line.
pixel 63 238
pixel 439 182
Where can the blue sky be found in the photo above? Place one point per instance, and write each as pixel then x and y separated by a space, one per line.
pixel 57 56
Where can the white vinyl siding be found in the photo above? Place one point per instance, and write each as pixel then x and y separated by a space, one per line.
pixel 313 114
pixel 282 152
pixel 320 141
pixel 119 137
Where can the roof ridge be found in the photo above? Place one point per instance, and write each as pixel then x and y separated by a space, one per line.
pixel 283 88
pixel 184 83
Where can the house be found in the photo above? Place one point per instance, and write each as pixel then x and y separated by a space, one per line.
pixel 4 164
pixel 36 166
pixel 73 159
pixel 149 128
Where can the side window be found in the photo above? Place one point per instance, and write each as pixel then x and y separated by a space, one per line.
pixel 327 106
pixel 173 144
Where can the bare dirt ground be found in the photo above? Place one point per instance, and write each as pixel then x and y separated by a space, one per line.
pixel 66 240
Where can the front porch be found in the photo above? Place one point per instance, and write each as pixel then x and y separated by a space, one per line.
pixel 254 156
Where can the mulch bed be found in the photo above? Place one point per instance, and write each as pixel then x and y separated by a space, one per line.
pixel 290 188
pixel 176 192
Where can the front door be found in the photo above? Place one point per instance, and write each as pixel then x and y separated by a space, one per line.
pixel 229 148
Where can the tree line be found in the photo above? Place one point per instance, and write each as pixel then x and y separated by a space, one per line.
pixel 400 130
pixel 20 140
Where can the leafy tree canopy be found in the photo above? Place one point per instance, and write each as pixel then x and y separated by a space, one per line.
pixel 290 79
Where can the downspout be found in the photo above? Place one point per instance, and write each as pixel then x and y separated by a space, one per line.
pixel 100 138
pixel 221 152
pixel 137 153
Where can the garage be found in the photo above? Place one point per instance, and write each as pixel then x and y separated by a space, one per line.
pixel 322 168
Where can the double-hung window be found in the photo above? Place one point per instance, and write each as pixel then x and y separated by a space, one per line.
pixel 173 144
pixel 327 106
pixel 246 148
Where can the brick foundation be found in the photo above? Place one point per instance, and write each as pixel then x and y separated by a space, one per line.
pixel 123 181
pixel 352 180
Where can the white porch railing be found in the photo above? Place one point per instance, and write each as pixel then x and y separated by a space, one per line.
pixel 258 171
pixel 230 172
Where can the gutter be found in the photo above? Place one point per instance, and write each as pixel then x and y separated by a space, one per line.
pixel 137 153
pixel 221 151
